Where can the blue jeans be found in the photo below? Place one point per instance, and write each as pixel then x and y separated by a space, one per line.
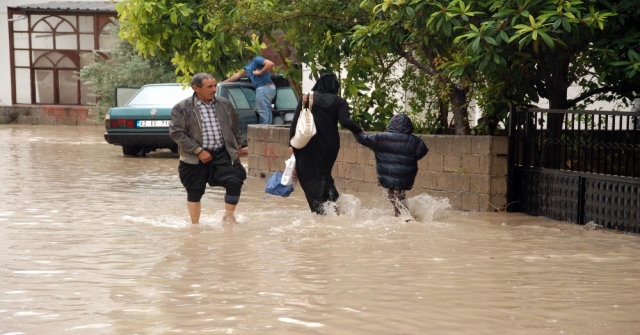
pixel 264 96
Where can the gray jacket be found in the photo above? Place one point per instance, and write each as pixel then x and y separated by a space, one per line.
pixel 186 128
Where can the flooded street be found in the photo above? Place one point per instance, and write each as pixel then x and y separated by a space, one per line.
pixel 96 243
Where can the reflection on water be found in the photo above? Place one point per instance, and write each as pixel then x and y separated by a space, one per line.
pixel 96 243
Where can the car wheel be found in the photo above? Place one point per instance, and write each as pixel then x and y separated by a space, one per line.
pixel 128 150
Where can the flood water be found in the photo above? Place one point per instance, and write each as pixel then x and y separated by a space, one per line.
pixel 96 243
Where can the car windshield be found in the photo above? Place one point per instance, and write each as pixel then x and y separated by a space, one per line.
pixel 160 95
pixel 286 98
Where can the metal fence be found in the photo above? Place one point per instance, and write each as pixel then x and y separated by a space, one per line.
pixel 578 166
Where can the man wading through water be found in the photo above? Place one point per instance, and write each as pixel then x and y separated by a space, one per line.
pixel 207 132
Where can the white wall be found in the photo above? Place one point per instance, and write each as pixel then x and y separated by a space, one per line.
pixel 574 91
pixel 5 60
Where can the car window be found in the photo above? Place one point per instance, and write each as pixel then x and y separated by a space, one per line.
pixel 124 94
pixel 286 98
pixel 251 96
pixel 162 95
pixel 242 97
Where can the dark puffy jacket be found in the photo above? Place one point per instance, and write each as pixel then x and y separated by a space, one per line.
pixel 397 153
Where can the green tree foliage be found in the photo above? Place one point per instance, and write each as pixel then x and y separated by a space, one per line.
pixel 555 44
pixel 195 35
pixel 201 35
pixel 121 66
pixel 399 28
pixel 500 52
pixel 217 37
pixel 515 50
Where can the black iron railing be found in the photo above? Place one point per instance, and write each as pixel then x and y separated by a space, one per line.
pixel 578 166
pixel 599 142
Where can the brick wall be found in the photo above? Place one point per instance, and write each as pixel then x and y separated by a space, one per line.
pixel 471 171
pixel 52 115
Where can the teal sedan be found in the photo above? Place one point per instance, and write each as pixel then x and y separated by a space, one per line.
pixel 142 124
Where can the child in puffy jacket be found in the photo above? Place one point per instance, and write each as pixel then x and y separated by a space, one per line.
pixel 397 152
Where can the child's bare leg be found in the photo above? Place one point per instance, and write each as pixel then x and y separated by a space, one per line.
pixel 393 197
pixel 402 197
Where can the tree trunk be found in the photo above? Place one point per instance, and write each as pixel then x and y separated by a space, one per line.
pixel 557 86
pixel 457 95
pixel 458 98
pixel 443 109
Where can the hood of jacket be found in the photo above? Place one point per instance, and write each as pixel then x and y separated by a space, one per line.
pixel 327 83
pixel 400 123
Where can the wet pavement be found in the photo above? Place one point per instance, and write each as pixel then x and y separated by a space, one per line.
pixel 96 243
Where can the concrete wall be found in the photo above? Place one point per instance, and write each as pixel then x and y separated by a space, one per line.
pixel 54 115
pixel 471 171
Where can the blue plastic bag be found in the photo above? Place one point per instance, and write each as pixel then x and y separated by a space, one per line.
pixel 275 187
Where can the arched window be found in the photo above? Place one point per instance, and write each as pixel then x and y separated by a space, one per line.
pixel 55 79
pixel 107 39
pixel 47 51
pixel 55 32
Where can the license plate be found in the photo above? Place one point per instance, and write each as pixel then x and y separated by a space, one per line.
pixel 152 123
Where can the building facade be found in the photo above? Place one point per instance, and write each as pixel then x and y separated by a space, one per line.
pixel 45 44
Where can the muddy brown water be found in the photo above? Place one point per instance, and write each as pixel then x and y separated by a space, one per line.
pixel 96 243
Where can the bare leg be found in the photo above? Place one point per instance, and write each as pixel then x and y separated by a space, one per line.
pixel 194 211
pixel 229 215
pixel 402 198
pixel 393 198
pixel 398 200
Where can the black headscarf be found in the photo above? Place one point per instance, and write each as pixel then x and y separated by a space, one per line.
pixel 327 83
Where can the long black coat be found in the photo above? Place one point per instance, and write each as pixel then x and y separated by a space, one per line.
pixel 315 161
pixel 397 152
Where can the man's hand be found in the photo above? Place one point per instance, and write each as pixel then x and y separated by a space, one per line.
pixel 205 156
pixel 243 151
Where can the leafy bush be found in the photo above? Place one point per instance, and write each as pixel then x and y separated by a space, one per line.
pixel 121 66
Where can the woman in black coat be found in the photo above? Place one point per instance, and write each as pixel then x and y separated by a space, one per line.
pixel 315 161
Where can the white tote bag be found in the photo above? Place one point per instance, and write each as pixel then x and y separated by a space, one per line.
pixel 306 127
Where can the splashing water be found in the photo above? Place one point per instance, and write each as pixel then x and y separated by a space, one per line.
pixel 348 205
pixel 424 207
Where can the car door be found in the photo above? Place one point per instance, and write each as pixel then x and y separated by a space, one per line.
pixel 243 99
pixel 285 105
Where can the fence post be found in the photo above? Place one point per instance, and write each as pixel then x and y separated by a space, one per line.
pixel 511 162
pixel 582 198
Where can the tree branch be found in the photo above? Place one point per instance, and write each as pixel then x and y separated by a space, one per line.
pixel 417 64
pixel 589 94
